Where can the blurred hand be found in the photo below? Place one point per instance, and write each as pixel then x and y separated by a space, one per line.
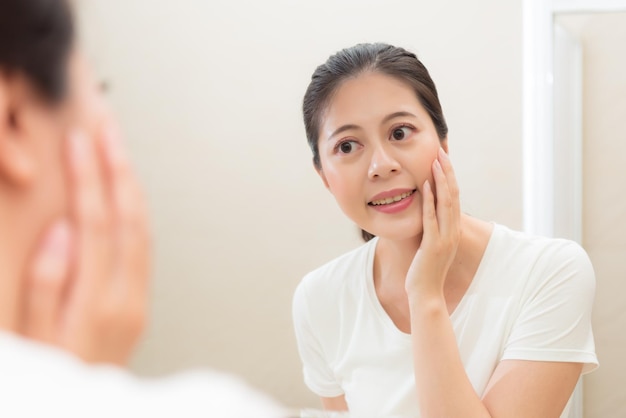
pixel 87 284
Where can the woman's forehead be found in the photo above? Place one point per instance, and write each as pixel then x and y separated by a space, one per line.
pixel 368 98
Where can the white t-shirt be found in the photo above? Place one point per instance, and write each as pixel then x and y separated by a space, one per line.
pixel 39 381
pixel 530 299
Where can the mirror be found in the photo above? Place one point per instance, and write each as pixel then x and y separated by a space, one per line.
pixel 589 109
pixel 209 96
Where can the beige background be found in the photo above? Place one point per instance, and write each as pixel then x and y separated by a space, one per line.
pixel 209 95
pixel 604 200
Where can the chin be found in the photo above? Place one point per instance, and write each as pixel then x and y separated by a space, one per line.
pixel 397 231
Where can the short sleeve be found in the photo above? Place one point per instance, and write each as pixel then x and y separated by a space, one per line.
pixel 318 375
pixel 554 323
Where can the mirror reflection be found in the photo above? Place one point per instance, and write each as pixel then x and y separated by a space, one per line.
pixel 603 85
pixel 212 110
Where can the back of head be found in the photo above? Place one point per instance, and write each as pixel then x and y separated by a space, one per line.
pixel 36 38
pixel 36 47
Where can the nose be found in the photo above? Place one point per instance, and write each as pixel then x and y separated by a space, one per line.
pixel 383 164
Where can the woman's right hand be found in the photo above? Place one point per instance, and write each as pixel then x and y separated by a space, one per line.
pixel 441 220
pixel 87 284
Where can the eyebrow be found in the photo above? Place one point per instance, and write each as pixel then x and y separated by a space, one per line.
pixel 397 115
pixel 385 120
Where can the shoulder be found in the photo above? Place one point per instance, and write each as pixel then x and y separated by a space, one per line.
pixel 321 292
pixel 35 371
pixel 536 246
pixel 554 260
pixel 347 270
pixel 207 393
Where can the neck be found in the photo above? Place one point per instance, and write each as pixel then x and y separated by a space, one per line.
pixel 394 257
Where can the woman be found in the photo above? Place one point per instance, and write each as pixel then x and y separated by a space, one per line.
pixel 439 314
pixel 47 94
pixel 74 244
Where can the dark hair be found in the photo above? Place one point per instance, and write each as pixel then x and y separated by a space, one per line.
pixel 351 62
pixel 36 38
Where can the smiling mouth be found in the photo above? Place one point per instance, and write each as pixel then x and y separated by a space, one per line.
pixel 390 200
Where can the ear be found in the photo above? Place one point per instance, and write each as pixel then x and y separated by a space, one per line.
pixel 16 161
pixel 320 173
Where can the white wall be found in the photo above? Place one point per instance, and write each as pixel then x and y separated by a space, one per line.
pixel 209 95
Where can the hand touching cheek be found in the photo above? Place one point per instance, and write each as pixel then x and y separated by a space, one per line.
pixel 86 289
pixel 441 215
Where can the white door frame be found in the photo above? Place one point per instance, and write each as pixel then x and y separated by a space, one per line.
pixel 542 178
pixel 539 179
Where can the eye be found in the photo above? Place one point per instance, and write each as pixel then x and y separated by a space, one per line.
pixel 401 133
pixel 347 147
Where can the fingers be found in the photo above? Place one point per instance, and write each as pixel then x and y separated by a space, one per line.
pixel 130 234
pixel 430 224
pixel 448 207
pixel 444 201
pixel 441 226
pixel 46 281
pixel 130 222
pixel 91 215
pixel 453 185
pixel 107 309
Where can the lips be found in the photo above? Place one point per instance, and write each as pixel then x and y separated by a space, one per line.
pixel 393 197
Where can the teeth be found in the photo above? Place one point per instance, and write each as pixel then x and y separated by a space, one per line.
pixel 392 199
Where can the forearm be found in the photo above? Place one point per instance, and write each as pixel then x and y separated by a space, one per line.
pixel 443 387
pixel 337 403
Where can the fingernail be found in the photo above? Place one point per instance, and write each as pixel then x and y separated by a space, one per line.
pixel 54 252
pixel 443 154
pixel 438 165
pixel 427 186
pixel 58 238
pixel 78 147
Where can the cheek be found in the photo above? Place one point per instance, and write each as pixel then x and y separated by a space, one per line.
pixel 346 188
pixel 339 184
pixel 421 167
pixel 48 197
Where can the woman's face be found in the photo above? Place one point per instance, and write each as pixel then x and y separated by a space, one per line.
pixel 377 145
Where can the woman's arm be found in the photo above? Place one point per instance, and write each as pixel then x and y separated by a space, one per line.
pixel 338 403
pixel 540 389
pixel 517 388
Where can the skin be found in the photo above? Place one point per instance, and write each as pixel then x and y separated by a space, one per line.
pixel 75 244
pixel 427 255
